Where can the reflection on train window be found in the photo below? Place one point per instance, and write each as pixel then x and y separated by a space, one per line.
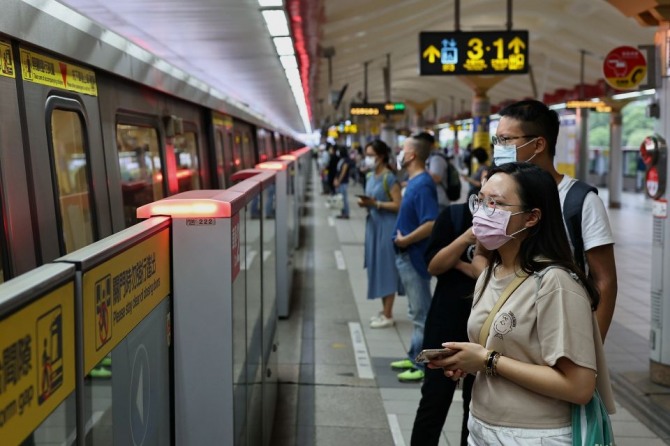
pixel 67 137
pixel 186 154
pixel 140 166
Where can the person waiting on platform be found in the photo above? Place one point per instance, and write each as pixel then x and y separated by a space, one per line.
pixel 416 216
pixel 382 198
pixel 475 181
pixel 534 343
pixel 528 131
pixel 341 181
pixel 451 243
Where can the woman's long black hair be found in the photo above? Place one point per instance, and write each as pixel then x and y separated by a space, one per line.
pixel 547 242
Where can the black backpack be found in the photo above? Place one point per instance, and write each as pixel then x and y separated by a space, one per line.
pixel 572 215
pixel 451 180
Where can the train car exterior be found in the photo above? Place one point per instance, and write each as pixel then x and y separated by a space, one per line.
pixel 86 137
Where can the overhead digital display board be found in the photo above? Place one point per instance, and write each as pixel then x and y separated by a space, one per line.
pixel 377 108
pixel 473 52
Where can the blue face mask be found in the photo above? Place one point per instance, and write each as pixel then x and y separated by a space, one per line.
pixel 503 154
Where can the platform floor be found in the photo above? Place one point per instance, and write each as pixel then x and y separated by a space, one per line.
pixel 336 387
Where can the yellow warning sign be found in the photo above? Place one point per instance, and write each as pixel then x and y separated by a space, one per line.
pixel 37 368
pixel 6 60
pixel 51 72
pixel 120 292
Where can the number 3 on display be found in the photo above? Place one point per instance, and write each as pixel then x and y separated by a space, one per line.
pixel 476 51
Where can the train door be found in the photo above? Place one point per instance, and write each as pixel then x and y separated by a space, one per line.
pixel 141 165
pixel 17 243
pixel 264 145
pixel 67 172
pixel 245 144
pixel 187 160
pixel 223 149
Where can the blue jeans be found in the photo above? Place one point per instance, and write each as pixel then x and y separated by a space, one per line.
pixel 417 290
pixel 342 189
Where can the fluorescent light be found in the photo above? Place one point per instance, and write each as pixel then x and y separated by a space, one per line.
pixel 560 106
pixel 634 94
pixel 284 46
pixel 275 19
pixel 288 62
pixel 270 3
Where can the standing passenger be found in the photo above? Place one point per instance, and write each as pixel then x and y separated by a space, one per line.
pixel 382 198
pixel 539 350
pixel 418 211
pixel 341 181
pixel 528 131
pixel 451 242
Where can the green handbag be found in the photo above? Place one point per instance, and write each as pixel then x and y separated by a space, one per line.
pixel 591 424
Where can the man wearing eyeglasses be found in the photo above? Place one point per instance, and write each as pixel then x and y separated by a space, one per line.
pixel 527 132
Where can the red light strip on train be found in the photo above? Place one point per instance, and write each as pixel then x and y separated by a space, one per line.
pixel 288 157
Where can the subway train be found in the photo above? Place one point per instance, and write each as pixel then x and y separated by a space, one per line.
pixel 91 130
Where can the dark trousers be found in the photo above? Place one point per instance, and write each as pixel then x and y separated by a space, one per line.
pixel 447 321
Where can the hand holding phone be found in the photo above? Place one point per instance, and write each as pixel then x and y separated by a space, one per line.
pixel 434 353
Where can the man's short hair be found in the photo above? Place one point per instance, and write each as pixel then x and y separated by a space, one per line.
pixel 425 136
pixel 422 147
pixel 536 119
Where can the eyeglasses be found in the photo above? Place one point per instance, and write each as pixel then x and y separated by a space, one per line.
pixel 490 205
pixel 503 140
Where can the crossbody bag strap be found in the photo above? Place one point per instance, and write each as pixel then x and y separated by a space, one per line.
pixel 484 333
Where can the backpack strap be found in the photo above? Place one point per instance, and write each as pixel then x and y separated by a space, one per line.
pixel 385 184
pixel 572 215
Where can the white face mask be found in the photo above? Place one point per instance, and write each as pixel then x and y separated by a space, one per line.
pixel 503 154
pixel 370 162
pixel 399 159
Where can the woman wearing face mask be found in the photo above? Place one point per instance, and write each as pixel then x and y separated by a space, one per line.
pixel 529 364
pixel 382 198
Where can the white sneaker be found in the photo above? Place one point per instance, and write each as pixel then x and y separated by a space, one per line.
pixel 376 316
pixel 382 322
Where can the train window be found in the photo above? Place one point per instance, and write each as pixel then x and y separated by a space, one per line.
pixel 140 166
pixel 186 154
pixel 237 153
pixel 247 150
pixel 71 166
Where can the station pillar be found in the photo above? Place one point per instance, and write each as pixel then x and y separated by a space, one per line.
pixel 582 167
pixel 659 368
pixel 481 109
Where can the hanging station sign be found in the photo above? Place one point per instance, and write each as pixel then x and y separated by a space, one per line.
pixel 374 109
pixel 476 52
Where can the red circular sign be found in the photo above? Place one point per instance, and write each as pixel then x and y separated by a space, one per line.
pixel 652 182
pixel 624 67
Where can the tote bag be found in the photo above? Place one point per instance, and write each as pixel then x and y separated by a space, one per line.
pixel 591 424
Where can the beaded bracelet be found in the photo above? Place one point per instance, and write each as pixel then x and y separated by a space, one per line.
pixel 492 363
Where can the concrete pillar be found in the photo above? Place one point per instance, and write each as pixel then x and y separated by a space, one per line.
pixel 481 113
pixel 582 167
pixel 659 364
pixel 615 183
pixel 481 109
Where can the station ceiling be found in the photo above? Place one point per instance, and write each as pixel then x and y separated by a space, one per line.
pixel 226 44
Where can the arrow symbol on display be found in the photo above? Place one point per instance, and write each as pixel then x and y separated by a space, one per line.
pixel 516 45
pixel 431 53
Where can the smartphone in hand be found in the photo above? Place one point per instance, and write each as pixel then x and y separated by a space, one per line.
pixel 364 197
pixel 434 353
